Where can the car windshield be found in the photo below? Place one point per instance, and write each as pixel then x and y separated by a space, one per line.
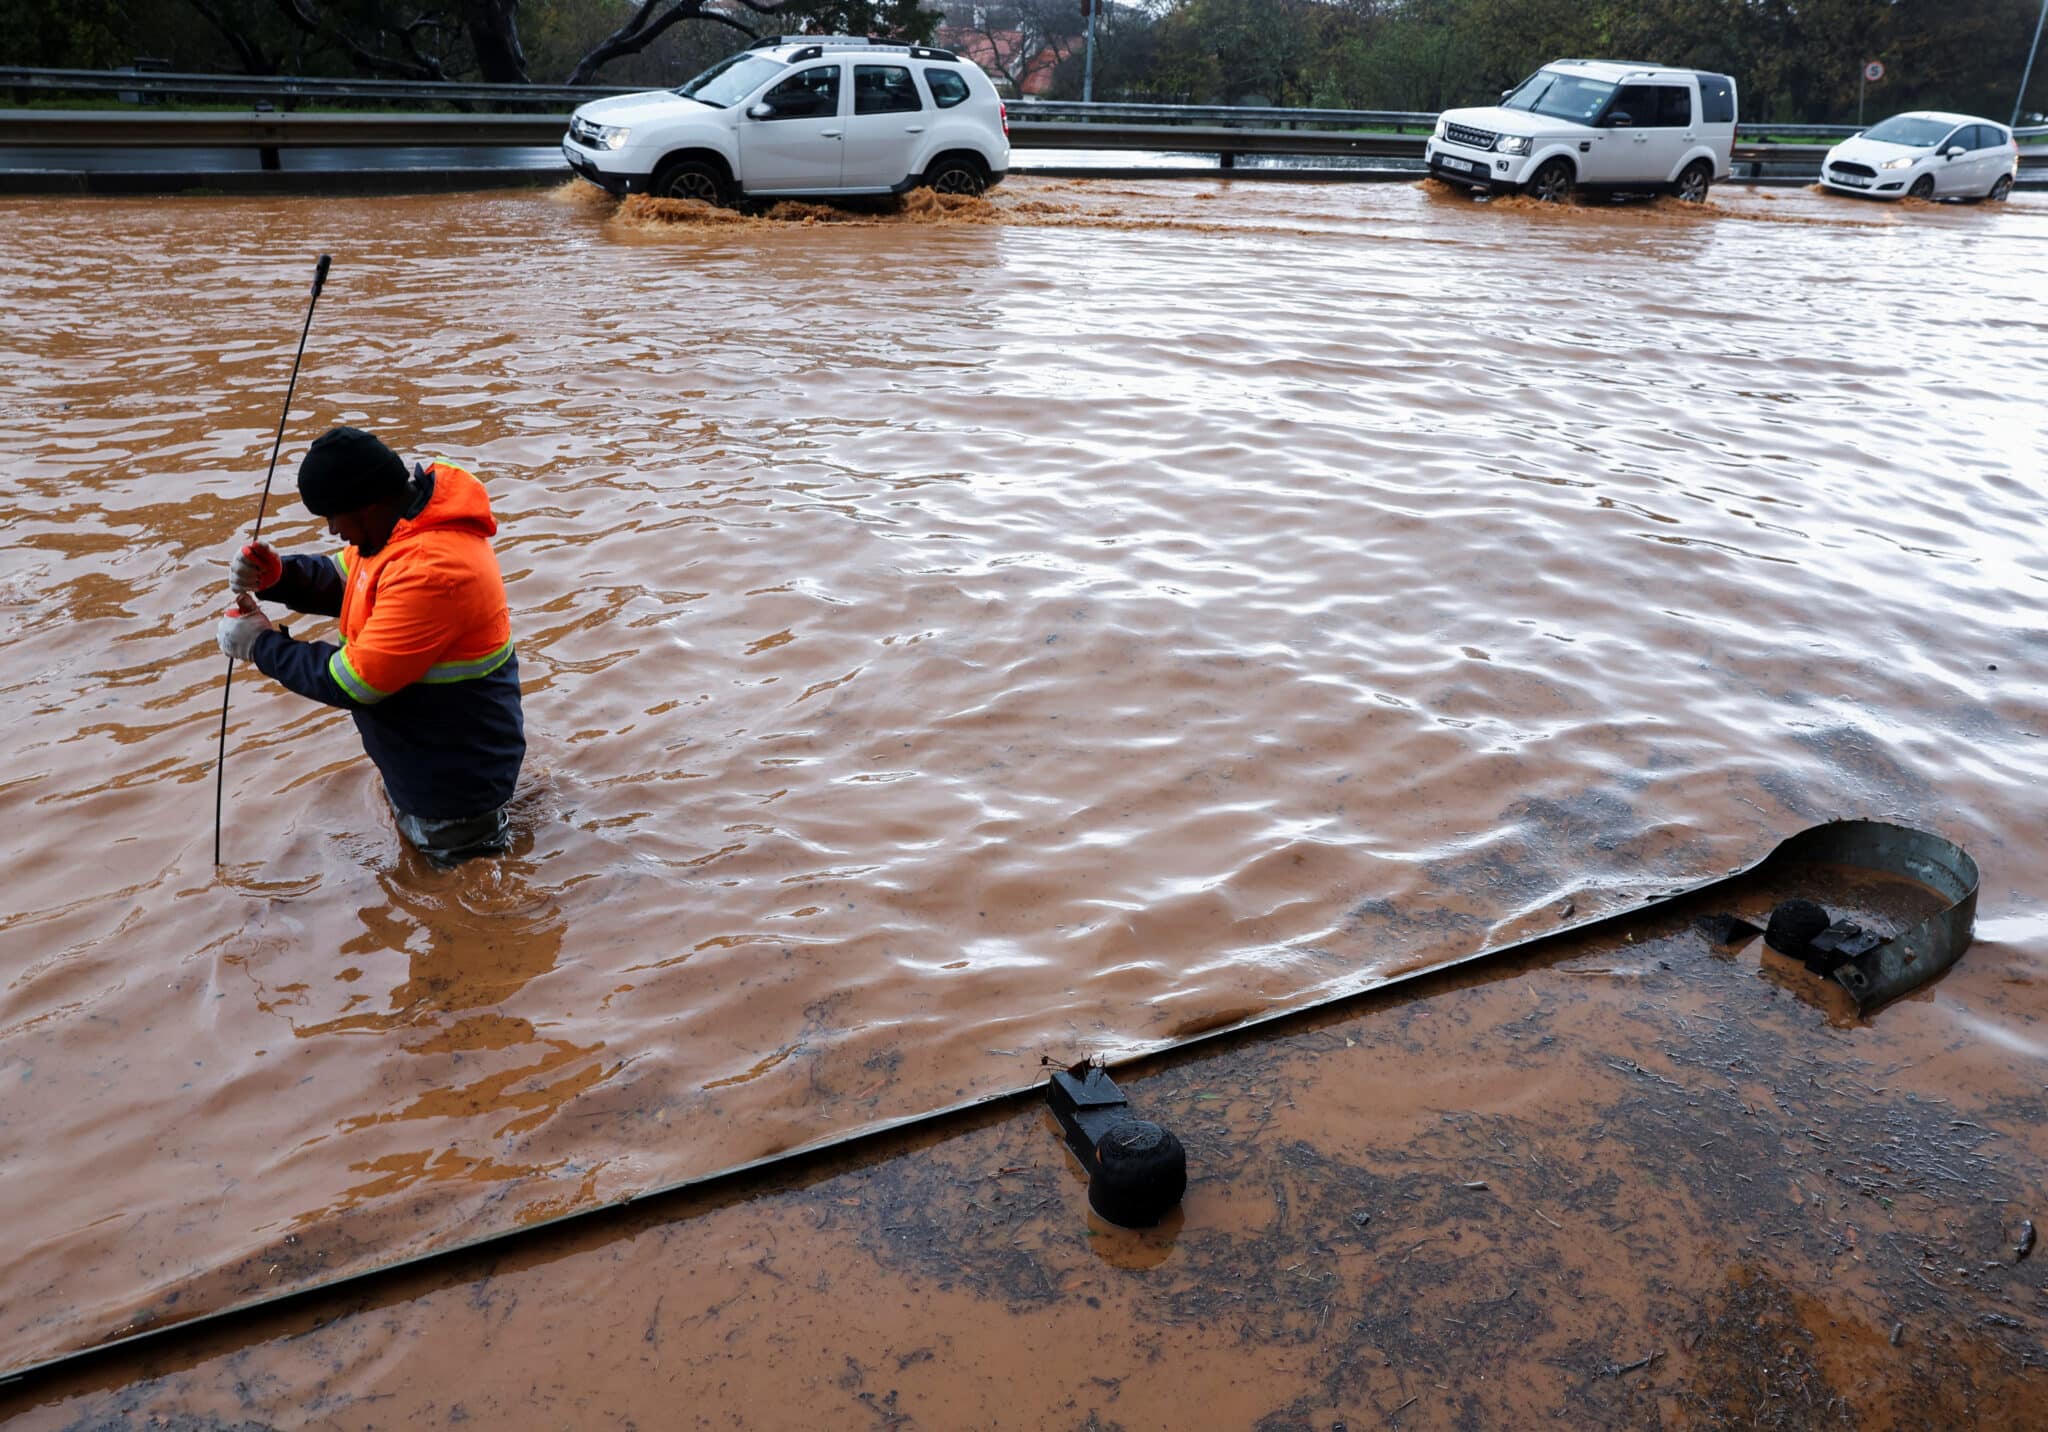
pixel 1907 130
pixel 732 78
pixel 1560 96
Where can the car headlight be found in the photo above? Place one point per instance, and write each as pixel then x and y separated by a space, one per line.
pixel 607 136
pixel 1513 144
pixel 1441 126
pixel 1907 163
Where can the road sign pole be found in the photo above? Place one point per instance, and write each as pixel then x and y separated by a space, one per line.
pixel 1088 66
pixel 2019 100
pixel 1859 98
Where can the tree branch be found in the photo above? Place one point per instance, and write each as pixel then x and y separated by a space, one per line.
pixel 305 17
pixel 254 61
pixel 645 27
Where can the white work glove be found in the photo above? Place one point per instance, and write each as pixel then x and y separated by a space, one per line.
pixel 255 567
pixel 240 625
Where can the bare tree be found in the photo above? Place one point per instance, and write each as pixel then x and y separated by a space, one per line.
pixel 239 37
pixel 412 49
pixel 651 18
pixel 1024 41
pixel 493 27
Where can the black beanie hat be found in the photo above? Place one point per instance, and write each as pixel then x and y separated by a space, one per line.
pixel 346 470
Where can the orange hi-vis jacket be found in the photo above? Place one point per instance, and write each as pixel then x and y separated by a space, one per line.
pixel 425 662
pixel 430 606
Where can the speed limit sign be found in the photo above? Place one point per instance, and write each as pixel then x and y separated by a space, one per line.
pixel 1874 71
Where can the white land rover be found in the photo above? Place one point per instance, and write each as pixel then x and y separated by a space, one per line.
pixel 1593 124
pixel 801 115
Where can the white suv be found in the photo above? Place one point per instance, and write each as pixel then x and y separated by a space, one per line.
pixel 801 115
pixel 1594 124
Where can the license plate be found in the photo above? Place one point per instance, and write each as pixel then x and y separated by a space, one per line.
pixel 1452 163
pixel 1852 181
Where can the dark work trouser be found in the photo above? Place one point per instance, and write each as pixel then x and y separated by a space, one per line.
pixel 450 842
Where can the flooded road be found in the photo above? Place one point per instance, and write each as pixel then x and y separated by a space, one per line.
pixel 1028 629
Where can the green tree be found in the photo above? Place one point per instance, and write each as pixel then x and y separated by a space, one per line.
pixel 67 34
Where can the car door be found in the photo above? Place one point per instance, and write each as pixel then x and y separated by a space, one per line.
pixel 1952 176
pixel 794 137
pixel 1672 130
pixel 1664 130
pixel 887 123
pixel 1987 158
pixel 1618 157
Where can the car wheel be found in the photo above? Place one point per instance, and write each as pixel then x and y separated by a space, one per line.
pixel 2001 190
pixel 955 175
pixel 1552 183
pixel 1692 185
pixel 1923 188
pixel 691 179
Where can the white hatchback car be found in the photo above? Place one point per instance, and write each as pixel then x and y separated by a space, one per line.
pixel 1926 154
pixel 1593 124
pixel 807 115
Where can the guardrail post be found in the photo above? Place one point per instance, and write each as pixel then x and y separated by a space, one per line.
pixel 266 155
pixel 1226 160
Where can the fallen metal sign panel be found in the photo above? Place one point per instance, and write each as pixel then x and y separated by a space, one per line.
pixel 1913 956
pixel 1894 967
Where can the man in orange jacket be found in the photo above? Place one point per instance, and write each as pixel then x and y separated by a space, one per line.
pixel 425 664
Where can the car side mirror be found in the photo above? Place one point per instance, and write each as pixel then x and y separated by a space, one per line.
pixel 1952 151
pixel 1506 93
pixel 761 109
pixel 1620 119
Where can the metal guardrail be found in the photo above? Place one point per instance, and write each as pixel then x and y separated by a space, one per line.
pixel 1031 111
pixel 263 129
pixel 1229 144
pixel 270 131
pixel 289 89
pixel 1034 111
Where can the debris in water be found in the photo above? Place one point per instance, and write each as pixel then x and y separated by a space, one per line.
pixel 1642 1362
pixel 1839 943
pixel 2025 1246
pixel 1727 929
pixel 1137 1171
pixel 1793 925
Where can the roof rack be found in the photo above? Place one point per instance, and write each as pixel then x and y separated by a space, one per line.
pixel 776 42
pixel 816 45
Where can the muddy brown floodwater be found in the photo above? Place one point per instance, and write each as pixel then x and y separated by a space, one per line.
pixel 1035 628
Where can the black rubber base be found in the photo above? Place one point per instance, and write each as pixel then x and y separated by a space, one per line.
pixel 1793 925
pixel 1141 1173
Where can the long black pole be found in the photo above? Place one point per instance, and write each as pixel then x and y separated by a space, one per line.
pixel 220 760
